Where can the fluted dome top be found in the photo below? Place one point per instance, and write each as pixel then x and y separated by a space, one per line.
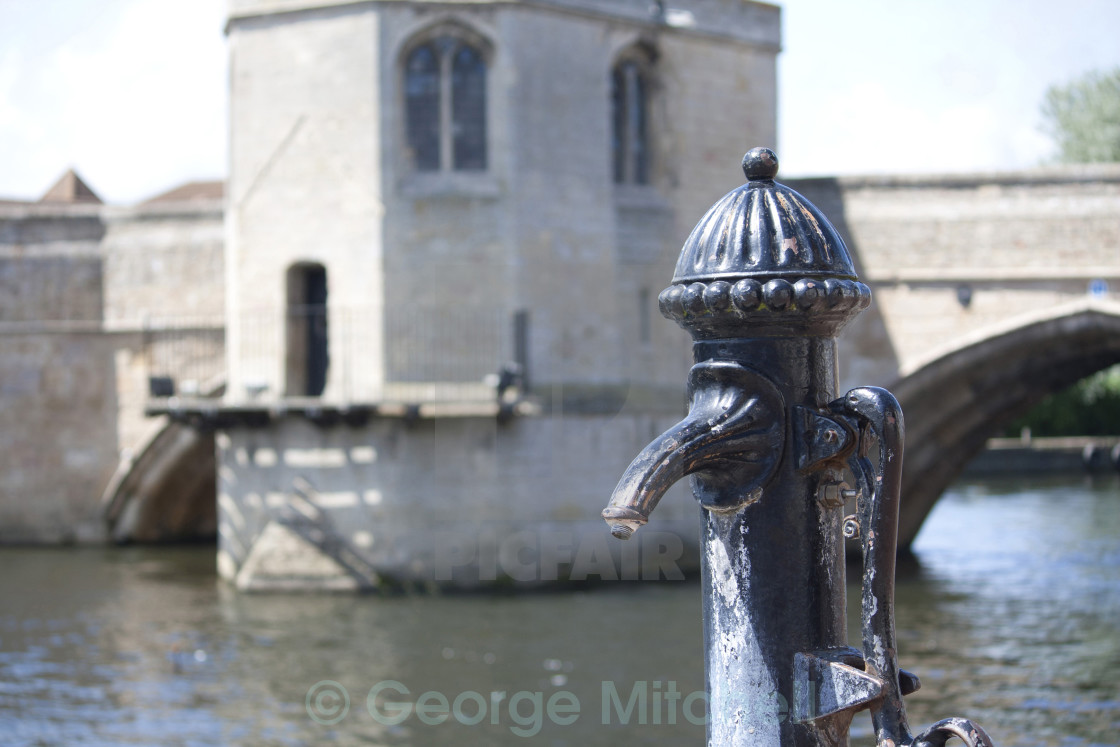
pixel 764 260
pixel 763 229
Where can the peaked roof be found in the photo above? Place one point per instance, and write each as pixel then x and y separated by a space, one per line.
pixel 70 188
pixel 191 191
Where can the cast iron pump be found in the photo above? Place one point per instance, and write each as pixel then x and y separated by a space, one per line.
pixel 764 284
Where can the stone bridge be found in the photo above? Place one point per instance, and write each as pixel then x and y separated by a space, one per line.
pixel 991 291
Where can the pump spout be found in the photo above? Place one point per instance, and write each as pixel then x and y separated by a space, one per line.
pixel 731 441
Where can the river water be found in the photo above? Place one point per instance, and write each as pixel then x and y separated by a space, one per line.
pixel 1010 616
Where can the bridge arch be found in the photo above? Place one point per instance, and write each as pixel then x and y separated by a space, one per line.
pixel 165 491
pixel 956 401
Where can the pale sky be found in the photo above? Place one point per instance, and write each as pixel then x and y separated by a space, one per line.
pixel 132 93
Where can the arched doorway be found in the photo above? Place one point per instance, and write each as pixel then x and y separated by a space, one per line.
pixel 307 355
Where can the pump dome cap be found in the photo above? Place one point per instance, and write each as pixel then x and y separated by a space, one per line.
pixel 763 229
pixel 765 257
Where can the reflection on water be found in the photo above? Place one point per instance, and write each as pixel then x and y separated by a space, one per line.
pixel 1014 616
pixel 1012 619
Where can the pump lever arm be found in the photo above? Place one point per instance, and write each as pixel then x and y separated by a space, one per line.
pixel 878 417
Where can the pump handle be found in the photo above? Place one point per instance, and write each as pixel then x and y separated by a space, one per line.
pixel 877 416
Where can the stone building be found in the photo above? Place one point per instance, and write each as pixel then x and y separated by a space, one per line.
pixel 54 366
pixel 96 299
pixel 423 195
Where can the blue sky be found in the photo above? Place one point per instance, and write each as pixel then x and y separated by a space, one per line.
pixel 881 86
pixel 132 92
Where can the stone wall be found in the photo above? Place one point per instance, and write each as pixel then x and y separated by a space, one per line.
pixel 164 262
pixel 460 501
pixel 164 300
pixel 304 186
pixel 58 437
pixel 58 440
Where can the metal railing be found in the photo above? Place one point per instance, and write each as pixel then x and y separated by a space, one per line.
pixel 185 355
pixel 337 354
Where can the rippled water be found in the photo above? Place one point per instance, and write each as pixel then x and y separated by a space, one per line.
pixel 1012 618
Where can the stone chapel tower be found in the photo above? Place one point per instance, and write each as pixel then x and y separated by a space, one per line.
pixel 423 194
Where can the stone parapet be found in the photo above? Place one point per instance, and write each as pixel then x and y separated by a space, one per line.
pixel 744 21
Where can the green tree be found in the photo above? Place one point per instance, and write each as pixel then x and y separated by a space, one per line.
pixel 1091 407
pixel 1083 117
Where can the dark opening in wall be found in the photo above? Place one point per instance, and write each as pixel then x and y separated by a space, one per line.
pixel 308 355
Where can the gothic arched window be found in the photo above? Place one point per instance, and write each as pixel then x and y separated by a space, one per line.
pixel 445 105
pixel 630 120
